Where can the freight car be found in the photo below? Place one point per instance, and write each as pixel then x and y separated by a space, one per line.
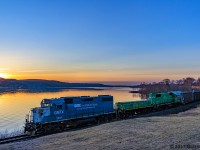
pixel 187 97
pixel 59 113
pixel 196 95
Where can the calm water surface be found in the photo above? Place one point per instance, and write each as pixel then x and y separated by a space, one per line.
pixel 15 106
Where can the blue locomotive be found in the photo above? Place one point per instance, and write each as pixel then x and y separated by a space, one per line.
pixel 68 111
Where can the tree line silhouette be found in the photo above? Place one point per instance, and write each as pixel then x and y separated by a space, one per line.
pixel 166 85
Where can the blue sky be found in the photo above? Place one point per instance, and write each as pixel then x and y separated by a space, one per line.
pixel 100 40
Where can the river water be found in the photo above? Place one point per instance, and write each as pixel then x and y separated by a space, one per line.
pixel 15 106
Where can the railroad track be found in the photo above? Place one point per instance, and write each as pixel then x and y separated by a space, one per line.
pixel 16 138
pixel 26 137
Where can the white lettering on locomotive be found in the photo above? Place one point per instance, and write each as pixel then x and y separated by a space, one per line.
pixel 59 117
pixel 85 106
pixel 77 105
pixel 58 112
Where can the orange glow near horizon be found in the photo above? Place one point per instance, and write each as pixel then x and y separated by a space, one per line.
pixel 85 75
pixel 112 76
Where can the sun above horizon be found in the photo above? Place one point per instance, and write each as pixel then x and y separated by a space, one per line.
pixel 4 75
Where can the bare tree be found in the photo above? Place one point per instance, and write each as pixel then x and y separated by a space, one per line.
pixel 167 83
pixel 198 81
pixel 189 81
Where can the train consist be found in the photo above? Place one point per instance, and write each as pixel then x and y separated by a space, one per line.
pixel 60 113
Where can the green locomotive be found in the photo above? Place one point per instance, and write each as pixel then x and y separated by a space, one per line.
pixel 155 101
pixel 133 105
pixel 158 99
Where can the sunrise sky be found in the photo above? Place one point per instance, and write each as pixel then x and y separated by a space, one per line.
pixel 99 40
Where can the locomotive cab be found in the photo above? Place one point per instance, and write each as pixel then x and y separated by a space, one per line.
pixel 37 115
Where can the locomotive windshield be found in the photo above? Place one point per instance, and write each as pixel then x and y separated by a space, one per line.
pixel 46 103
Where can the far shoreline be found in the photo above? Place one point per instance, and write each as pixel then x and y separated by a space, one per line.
pixel 56 89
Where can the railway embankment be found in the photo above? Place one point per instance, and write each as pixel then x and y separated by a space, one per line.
pixel 170 129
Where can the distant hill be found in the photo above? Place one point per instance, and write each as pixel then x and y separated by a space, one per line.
pixel 39 85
